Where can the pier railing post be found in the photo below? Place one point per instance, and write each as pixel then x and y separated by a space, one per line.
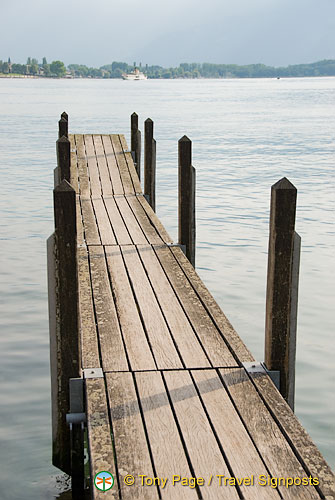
pixel 282 287
pixel 150 163
pixel 63 127
pixel 63 158
pixel 67 355
pixel 136 143
pixel 186 198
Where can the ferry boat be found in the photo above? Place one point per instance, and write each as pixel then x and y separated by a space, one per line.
pixel 134 75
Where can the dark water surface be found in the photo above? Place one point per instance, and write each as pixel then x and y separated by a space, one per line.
pixel 246 134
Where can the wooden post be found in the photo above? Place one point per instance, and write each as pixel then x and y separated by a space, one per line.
pixel 186 198
pixel 65 116
pixel 63 128
pixel 67 341
pixel 63 158
pixel 150 163
pixel 136 143
pixel 280 305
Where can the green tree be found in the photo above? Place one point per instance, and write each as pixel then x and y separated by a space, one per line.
pixel 5 67
pixel 29 61
pixel 33 69
pixel 44 61
pixel 57 68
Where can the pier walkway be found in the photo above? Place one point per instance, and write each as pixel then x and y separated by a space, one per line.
pixel 171 391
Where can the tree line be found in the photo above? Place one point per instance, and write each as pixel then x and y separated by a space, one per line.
pixel 57 69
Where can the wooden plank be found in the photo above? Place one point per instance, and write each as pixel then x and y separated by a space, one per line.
pixel 106 184
pixel 80 227
pixel 111 343
pixel 187 343
pixel 84 181
pixel 93 171
pixel 100 444
pixel 166 446
pixel 88 331
pixel 104 225
pixel 265 433
pixel 130 163
pixel 218 317
pixel 112 165
pixel 90 225
pixel 130 221
pixel 208 334
pixel 138 350
pixel 131 446
pixel 300 439
pixel 165 353
pixel 155 220
pixel 238 447
pixel 122 165
pixel 143 220
pixel 119 228
pixel 73 164
pixel 202 447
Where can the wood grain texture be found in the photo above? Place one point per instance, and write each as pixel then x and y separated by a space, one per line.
pixel 130 163
pixel 212 307
pixel 213 343
pixel 118 225
pixel 89 222
pixel 122 165
pixel 73 164
pixel 268 438
pixel 130 221
pixel 166 446
pixel 100 444
pixel 111 343
pixel 139 353
pixel 238 447
pixel 112 165
pixel 155 221
pixel 300 439
pixel 202 447
pixel 148 228
pixel 131 446
pixel 92 165
pixel 88 331
pixel 83 177
pixel 105 229
pixel 165 353
pixel 182 332
pixel 106 184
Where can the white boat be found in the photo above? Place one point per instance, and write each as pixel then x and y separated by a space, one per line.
pixel 134 75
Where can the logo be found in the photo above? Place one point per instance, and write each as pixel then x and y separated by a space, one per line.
pixel 104 481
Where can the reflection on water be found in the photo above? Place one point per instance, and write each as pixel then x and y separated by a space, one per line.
pixel 247 134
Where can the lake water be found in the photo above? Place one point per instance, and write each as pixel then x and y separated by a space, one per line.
pixel 247 134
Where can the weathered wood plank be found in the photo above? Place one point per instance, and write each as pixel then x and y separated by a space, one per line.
pixel 84 181
pixel 239 449
pixel 187 343
pixel 119 228
pixel 93 171
pixel 105 229
pixel 155 220
pixel 265 433
pixel 73 164
pixel 212 307
pixel 100 444
pixel 122 165
pixel 138 350
pixel 202 447
pixel 131 223
pixel 208 334
pixel 88 331
pixel 143 220
pixel 80 227
pixel 131 446
pixel 130 163
pixel 90 225
pixel 111 343
pixel 165 353
pixel 112 165
pixel 166 446
pixel 106 184
pixel 300 439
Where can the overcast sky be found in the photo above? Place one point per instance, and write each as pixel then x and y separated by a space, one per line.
pixel 274 32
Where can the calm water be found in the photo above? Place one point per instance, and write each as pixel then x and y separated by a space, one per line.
pixel 246 134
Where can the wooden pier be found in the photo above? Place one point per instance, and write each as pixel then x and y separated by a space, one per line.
pixel 160 379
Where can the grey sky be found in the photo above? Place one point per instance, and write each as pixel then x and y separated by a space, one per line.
pixel 274 32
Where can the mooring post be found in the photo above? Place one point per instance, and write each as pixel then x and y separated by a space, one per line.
pixel 63 158
pixel 186 198
pixel 63 128
pixel 136 143
pixel 150 163
pixel 282 287
pixel 67 337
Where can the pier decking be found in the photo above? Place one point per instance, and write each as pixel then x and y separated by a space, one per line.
pixel 170 388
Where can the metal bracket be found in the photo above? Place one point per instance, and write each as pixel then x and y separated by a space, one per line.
pixel 76 414
pixel 93 373
pixel 257 367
